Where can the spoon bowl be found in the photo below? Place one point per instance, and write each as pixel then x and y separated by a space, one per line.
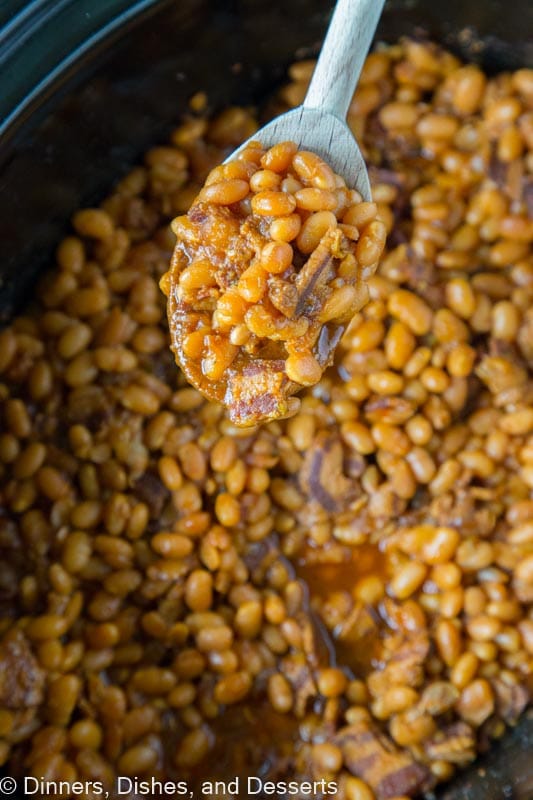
pixel 324 134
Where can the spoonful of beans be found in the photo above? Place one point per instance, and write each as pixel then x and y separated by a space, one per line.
pixel 272 259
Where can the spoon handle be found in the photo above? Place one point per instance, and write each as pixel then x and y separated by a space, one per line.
pixel 342 55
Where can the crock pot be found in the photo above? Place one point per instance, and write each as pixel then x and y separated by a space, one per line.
pixel 86 86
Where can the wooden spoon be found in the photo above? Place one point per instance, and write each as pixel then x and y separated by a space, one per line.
pixel 289 339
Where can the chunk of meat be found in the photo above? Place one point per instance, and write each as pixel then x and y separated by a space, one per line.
pixel 300 676
pixel 462 510
pixel 455 743
pixel 438 697
pixel 21 677
pixel 374 758
pixel 404 666
pixel 257 390
pixel 151 490
pixel 322 476
pixel 317 271
pixel 511 700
